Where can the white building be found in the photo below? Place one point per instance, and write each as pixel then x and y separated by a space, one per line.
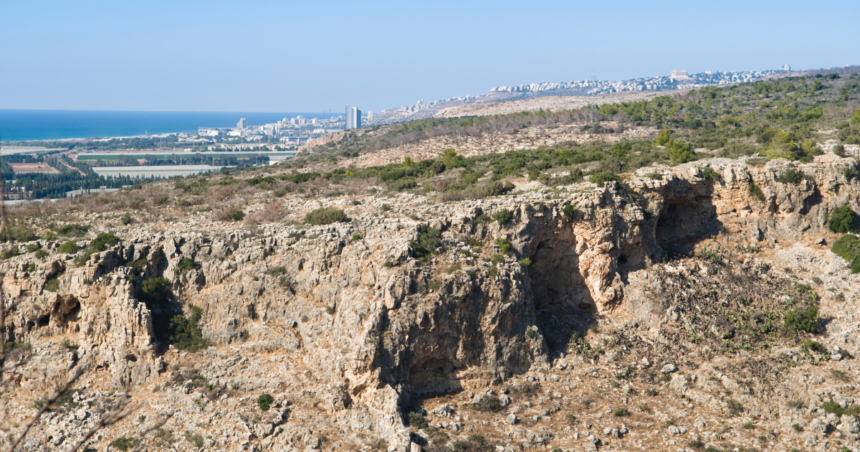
pixel 208 132
pixel 241 124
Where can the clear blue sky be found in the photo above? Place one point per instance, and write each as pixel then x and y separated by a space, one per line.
pixel 253 55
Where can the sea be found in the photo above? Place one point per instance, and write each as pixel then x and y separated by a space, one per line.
pixel 44 125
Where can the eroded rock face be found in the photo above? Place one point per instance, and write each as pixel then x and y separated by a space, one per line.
pixel 379 326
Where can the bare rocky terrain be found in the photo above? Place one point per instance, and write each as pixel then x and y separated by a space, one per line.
pixel 596 318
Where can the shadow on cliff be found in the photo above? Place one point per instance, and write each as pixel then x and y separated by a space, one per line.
pixel 564 305
pixel 562 301
pixel 686 219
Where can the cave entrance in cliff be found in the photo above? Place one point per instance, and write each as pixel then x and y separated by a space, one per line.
pixel 432 376
pixel 683 223
pixel 562 301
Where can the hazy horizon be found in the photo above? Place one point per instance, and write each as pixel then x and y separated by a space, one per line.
pixel 266 56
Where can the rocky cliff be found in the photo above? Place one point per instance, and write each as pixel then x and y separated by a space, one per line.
pixel 351 331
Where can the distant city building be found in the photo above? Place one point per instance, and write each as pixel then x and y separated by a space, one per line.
pixel 208 132
pixel 370 115
pixel 680 76
pixel 785 68
pixel 353 118
pixel 241 124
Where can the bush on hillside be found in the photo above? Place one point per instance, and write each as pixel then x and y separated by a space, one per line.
pixel 73 230
pixel 429 240
pixel 325 215
pixel 154 291
pixel 185 334
pixel 18 234
pixel 102 242
pixel 802 320
pixel 69 247
pixel 842 220
pixel 848 248
pixel 503 216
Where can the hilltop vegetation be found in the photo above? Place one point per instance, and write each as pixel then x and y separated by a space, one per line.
pixel 776 116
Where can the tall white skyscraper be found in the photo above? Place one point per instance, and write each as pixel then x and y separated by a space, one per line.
pixel 353 118
pixel 241 124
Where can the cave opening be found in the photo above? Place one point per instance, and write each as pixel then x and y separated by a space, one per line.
pixel 683 223
pixel 431 376
pixel 563 304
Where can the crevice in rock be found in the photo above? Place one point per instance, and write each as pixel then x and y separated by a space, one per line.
pixel 563 304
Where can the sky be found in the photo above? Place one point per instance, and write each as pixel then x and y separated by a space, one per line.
pixel 312 56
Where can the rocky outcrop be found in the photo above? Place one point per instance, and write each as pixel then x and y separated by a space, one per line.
pixel 380 327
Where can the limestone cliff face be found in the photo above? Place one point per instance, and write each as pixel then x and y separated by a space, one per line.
pixel 379 326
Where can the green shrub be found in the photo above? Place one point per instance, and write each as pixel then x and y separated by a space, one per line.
pixel 504 245
pixel 18 234
pixel 802 320
pixel 123 443
pixel 531 333
pixel 73 230
pixel 31 267
pixel 402 184
pixel 325 215
pixel 10 252
pixel 706 173
pixel 790 176
pixel 31 247
pixel 265 401
pixel 525 262
pixel 416 420
pixel 69 247
pixel 654 176
pixel 52 285
pixel 503 216
pixel 102 242
pixel 755 191
pixel 813 346
pixel 619 412
pixel 154 291
pixel 493 271
pixel 186 335
pixel 835 408
pixel 487 404
pixel 126 219
pixel 355 237
pixel 41 254
pixel 276 271
pixel 569 212
pixel 602 177
pixel 233 214
pixel 848 248
pixel 186 264
pixel 680 152
pixel 429 240
pixel 842 220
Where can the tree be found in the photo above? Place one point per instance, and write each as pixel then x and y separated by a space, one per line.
pixel 679 152
pixel 663 137
pixel 855 118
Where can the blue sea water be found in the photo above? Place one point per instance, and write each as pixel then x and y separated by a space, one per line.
pixel 28 125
